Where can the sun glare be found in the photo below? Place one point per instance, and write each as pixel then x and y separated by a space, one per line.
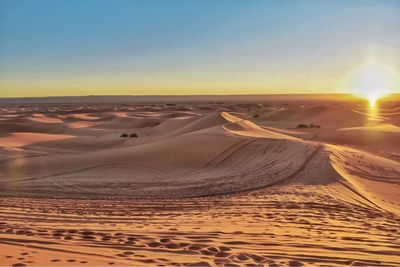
pixel 372 81
pixel 372 101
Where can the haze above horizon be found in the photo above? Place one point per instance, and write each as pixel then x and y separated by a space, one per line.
pixel 177 47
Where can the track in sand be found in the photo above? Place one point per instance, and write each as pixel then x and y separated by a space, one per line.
pixel 203 184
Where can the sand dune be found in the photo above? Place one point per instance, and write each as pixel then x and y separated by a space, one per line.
pixel 375 178
pixel 84 117
pixel 379 137
pixel 203 184
pixel 24 139
pixel 80 124
pixel 328 116
pixel 247 128
pixel 228 155
pixel 154 168
pixel 44 119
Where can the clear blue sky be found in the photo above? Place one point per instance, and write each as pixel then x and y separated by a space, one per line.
pixel 81 47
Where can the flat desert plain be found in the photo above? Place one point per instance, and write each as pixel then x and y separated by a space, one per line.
pixel 199 181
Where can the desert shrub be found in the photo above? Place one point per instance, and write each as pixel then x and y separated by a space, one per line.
pixel 133 135
pixel 311 125
pixel 302 126
pixel 256 115
pixel 314 126
pixel 124 135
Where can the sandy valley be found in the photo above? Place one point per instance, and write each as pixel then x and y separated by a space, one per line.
pixel 259 180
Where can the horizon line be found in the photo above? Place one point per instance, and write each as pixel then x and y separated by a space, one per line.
pixel 189 95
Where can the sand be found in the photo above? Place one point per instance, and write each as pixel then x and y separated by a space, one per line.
pixel 18 139
pixel 203 183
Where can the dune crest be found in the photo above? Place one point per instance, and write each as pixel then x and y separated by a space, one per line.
pixel 247 128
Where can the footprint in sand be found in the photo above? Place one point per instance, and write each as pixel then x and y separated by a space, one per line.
pixel 202 263
pixel 206 252
pixel 242 257
pixel 222 261
pixel 222 254
pixel 147 261
pixel 153 244
pixel 140 256
pixel 213 249
pixel 295 263
pixel 358 263
pixel 20 232
pixel 273 264
pixel 58 233
pixel 195 247
pixel 257 258
pixel 223 248
pixel 106 238
pixel 88 237
pixel 84 233
pixel 172 246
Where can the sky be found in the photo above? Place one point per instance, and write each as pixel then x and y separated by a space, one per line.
pixel 164 47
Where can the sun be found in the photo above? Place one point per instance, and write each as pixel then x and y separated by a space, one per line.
pixel 372 101
pixel 372 80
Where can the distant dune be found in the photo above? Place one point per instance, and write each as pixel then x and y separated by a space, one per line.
pixel 180 98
